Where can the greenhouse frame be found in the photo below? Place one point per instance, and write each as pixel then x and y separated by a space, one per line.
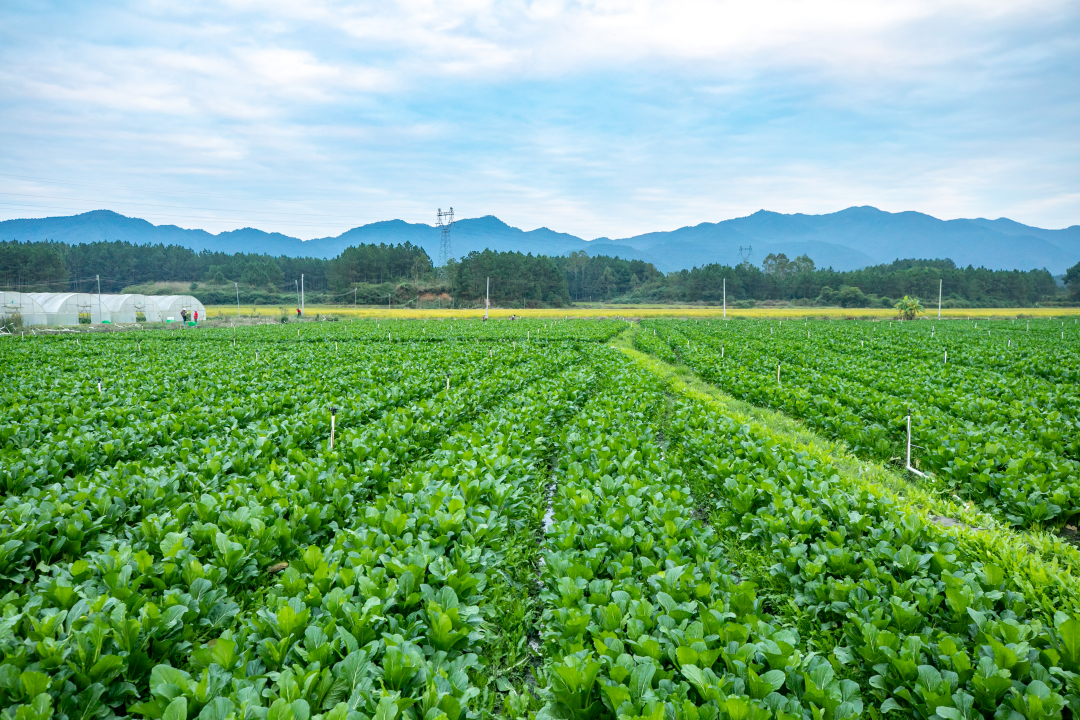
pixel 70 308
pixel 123 308
pixel 146 306
pixel 65 308
pixel 17 303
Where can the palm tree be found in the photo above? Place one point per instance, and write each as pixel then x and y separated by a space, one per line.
pixel 909 307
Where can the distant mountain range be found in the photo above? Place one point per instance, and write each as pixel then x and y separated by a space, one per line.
pixel 845 240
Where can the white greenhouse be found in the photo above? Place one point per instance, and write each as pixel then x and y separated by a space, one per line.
pixel 76 308
pixel 21 304
pixel 169 306
pixel 122 308
pixel 145 306
pixel 68 308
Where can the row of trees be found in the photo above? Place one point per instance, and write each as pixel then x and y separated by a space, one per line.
pixel 59 266
pixel 375 264
pixel 601 277
pixel 532 280
pixel 875 285
pixel 519 278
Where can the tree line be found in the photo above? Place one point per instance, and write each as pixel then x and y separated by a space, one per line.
pixel 873 286
pixel 373 272
pixel 58 267
pixel 523 280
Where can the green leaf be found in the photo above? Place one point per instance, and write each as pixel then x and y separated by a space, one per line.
pixel 738 708
pixel 42 706
pixel 615 695
pixel 1069 631
pixel 696 678
pixel 300 708
pixel 280 710
pixel 641 681
pixel 890 704
pixel 224 653
pixel 105 669
pixel 177 710
pixel 168 682
pixel 686 655
pixel 775 678
pixel 217 709
pixel 387 709
pixel 33 683
pixel 172 544
pixel 9 676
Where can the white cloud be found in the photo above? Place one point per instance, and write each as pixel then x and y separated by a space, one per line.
pixel 592 117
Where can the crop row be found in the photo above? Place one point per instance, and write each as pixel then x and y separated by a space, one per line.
pixel 435 330
pixel 62 425
pixel 643 617
pixel 1024 467
pixel 56 521
pixel 922 625
pixel 165 579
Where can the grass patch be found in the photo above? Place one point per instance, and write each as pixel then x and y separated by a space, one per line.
pixel 510 661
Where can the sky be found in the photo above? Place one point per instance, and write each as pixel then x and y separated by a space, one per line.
pixel 600 118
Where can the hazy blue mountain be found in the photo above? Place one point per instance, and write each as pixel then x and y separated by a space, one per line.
pixel 845 240
pixel 860 236
pixel 467 235
pixel 1067 239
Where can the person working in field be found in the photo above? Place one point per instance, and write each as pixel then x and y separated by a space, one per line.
pixel 297 313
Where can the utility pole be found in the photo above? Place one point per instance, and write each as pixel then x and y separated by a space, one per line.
pixel 354 298
pixel 725 298
pixel 98 298
pixel 487 299
pixel 939 298
pixel 301 294
pixel 237 286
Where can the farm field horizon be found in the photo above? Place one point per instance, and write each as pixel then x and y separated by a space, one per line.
pixel 542 519
pixel 636 311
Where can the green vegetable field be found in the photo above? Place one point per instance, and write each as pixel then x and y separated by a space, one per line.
pixel 995 410
pixel 543 519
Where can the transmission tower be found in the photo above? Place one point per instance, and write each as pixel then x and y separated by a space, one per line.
pixel 446 221
pixel 745 253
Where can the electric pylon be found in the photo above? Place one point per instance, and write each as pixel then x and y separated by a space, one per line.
pixel 446 221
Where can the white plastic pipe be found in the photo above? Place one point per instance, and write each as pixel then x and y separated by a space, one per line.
pixel 909 446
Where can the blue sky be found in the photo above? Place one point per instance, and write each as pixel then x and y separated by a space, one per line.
pixel 594 118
